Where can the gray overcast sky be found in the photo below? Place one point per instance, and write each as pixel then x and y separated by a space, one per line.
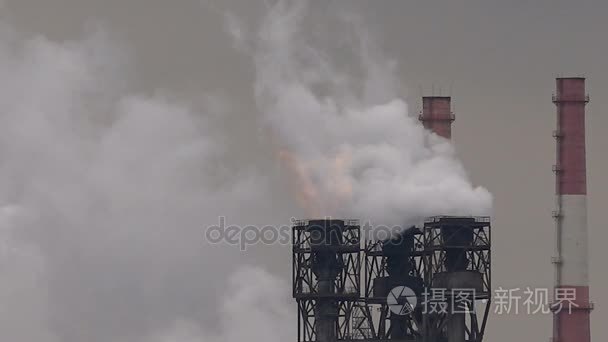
pixel 498 59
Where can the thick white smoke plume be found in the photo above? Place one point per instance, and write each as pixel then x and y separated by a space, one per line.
pixel 105 193
pixel 104 201
pixel 349 141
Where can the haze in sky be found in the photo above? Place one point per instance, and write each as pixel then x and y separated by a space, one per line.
pixel 127 126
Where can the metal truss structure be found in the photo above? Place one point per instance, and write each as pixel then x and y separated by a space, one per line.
pixel 448 255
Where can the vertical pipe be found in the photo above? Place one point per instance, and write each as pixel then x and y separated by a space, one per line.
pixel 572 320
pixel 456 325
pixel 325 239
pixel 437 115
pixel 456 239
pixel 398 266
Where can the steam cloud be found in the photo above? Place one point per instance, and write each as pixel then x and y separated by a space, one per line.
pixel 104 197
pixel 105 193
pixel 349 142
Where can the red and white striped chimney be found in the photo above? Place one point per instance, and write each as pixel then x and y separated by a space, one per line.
pixel 571 321
pixel 437 115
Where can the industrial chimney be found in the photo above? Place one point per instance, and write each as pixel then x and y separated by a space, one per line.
pixel 326 277
pixel 325 238
pixel 571 303
pixel 437 115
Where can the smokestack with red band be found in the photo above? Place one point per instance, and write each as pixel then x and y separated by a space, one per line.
pixel 437 115
pixel 571 298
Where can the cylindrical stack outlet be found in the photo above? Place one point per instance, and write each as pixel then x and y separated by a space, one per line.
pixel 325 237
pixel 571 302
pixel 456 239
pixel 437 115
pixel 457 251
pixel 398 251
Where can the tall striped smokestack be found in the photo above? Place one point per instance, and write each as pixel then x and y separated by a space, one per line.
pixel 437 115
pixel 571 321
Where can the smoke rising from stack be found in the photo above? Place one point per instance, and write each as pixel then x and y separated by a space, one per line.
pixel 105 193
pixel 355 149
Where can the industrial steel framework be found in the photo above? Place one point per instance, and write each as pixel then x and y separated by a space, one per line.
pixel 447 253
pixel 326 277
pixel 388 264
pixel 458 260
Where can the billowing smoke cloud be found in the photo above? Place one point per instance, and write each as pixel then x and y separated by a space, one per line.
pixel 104 198
pixel 348 140
pixel 105 192
pixel 249 311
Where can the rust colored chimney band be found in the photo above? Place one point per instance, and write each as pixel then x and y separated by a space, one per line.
pixel 437 115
